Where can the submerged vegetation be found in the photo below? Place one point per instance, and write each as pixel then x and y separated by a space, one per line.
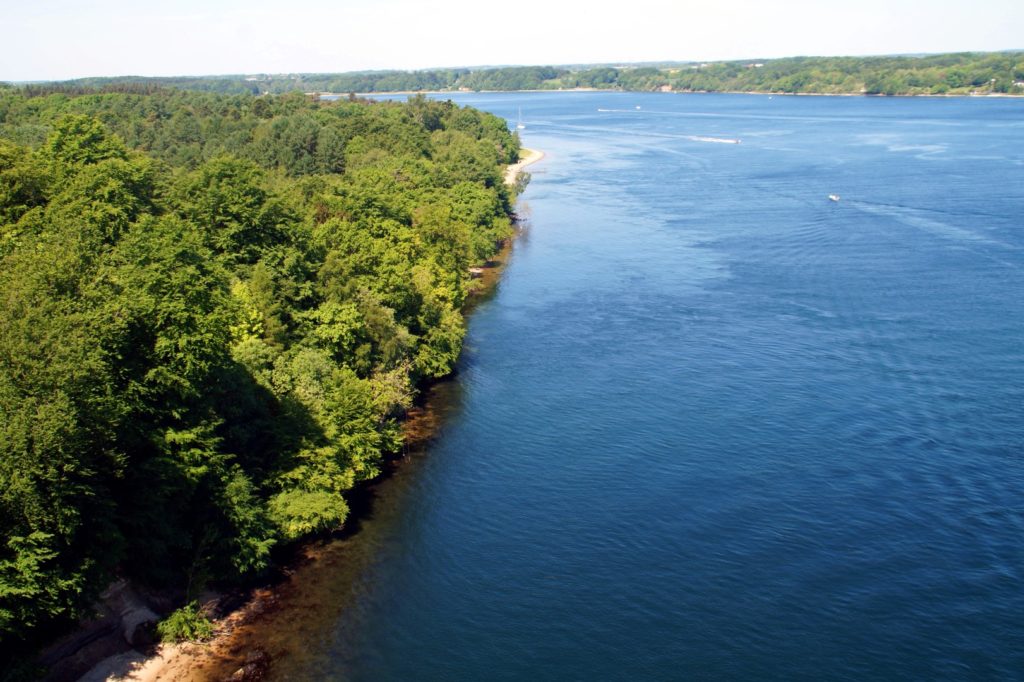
pixel 213 309
pixel 955 74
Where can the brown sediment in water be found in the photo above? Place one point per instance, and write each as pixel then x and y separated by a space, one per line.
pixel 294 617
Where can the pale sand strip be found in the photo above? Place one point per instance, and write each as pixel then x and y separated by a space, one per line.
pixel 526 157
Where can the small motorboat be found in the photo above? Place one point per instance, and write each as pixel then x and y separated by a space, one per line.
pixel 833 197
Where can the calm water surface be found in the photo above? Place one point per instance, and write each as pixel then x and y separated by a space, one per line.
pixel 716 426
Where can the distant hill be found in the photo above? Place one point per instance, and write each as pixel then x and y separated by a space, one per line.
pixel 939 74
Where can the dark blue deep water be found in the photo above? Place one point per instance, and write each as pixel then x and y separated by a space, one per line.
pixel 715 426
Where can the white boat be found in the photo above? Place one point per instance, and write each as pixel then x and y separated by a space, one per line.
pixel 833 197
pixel 520 125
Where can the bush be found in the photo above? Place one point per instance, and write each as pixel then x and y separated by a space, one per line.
pixel 186 624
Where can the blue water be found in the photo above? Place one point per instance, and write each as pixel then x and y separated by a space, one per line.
pixel 715 426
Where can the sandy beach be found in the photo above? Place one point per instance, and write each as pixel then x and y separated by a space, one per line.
pixel 526 157
pixel 195 661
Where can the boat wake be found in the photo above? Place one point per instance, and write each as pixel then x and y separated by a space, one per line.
pixel 719 140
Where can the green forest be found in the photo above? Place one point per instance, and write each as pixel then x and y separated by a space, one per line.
pixel 941 74
pixel 214 309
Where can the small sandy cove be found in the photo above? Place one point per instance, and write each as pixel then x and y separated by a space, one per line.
pixel 526 157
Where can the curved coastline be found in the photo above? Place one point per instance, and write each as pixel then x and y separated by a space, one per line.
pixel 239 647
pixel 526 158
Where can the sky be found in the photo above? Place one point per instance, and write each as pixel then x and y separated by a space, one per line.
pixel 62 39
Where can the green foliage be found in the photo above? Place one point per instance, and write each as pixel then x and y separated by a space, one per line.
pixel 83 139
pixel 24 182
pixel 934 74
pixel 104 198
pixel 187 624
pixel 225 197
pixel 300 145
pixel 249 535
pixel 31 591
pixel 301 512
pixel 212 310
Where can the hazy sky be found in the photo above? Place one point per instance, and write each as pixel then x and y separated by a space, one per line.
pixel 57 39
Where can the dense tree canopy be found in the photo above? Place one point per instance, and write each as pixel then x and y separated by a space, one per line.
pixel 212 310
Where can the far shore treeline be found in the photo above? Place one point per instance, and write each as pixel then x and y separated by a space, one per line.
pixel 940 74
pixel 213 310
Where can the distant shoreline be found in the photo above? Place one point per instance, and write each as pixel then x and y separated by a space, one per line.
pixel 994 95
pixel 941 74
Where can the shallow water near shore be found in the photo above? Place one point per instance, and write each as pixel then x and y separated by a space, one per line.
pixel 713 425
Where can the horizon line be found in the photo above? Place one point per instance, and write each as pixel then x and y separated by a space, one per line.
pixel 486 67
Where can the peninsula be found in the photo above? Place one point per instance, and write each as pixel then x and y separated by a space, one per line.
pixel 218 309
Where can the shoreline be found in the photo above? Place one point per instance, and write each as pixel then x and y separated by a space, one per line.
pixel 526 158
pixel 244 644
pixel 370 95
